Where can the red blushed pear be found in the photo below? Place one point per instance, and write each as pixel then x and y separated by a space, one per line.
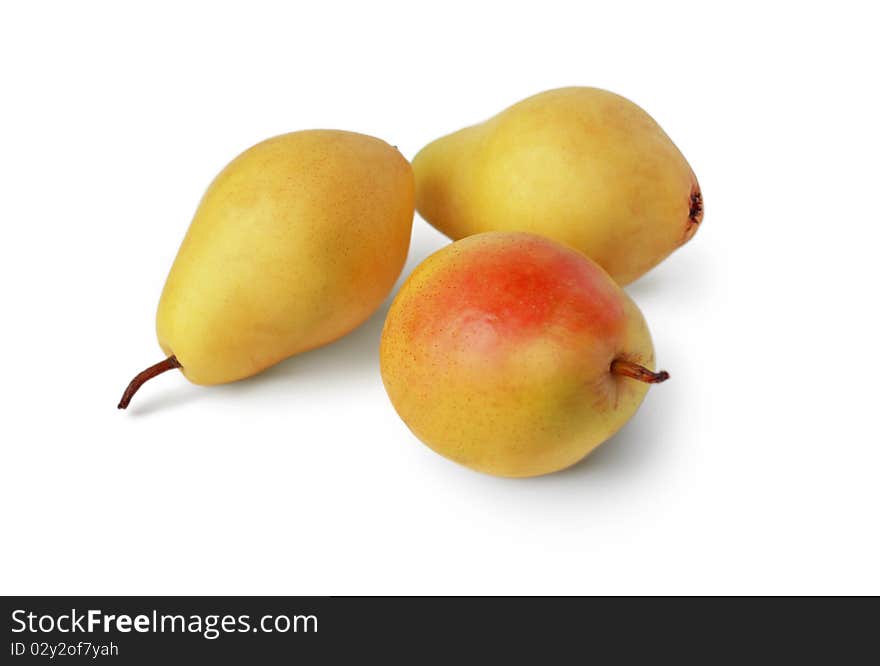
pixel 515 355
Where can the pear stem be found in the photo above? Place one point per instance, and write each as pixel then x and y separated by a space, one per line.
pixel 636 371
pixel 169 363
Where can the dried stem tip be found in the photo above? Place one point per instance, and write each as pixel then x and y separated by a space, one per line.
pixel 636 371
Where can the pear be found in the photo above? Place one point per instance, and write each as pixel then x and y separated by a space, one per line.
pixel 582 166
pixel 514 355
pixel 295 243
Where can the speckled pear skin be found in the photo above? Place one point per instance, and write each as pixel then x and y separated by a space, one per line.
pixel 497 354
pixel 583 166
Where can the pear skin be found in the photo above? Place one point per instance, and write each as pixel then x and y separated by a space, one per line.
pixel 295 243
pixel 582 166
pixel 514 355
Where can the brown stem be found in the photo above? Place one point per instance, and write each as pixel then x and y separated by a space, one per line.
pixel 169 363
pixel 636 371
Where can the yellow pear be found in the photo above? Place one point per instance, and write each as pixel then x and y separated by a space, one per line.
pixel 295 243
pixel 514 355
pixel 583 166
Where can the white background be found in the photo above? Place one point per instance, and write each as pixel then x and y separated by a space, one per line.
pixel 754 470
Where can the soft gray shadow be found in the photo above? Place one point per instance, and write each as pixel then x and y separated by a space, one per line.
pixel 164 398
pixel 648 286
pixel 634 446
pixel 683 275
